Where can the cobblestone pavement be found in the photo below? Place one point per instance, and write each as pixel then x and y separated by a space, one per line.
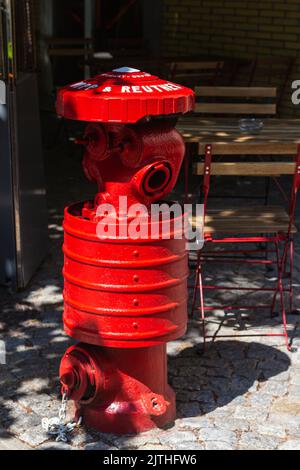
pixel 241 393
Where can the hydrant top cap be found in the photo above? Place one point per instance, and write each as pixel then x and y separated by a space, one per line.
pixel 124 95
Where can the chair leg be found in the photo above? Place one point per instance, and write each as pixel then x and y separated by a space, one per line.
pixel 285 258
pixel 281 293
pixel 288 268
pixel 291 289
pixel 195 287
pixel 202 306
pixel 272 313
pixel 198 286
pixel 283 314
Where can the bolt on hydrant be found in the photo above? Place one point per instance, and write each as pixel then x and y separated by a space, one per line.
pixel 125 296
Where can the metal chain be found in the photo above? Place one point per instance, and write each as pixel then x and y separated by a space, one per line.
pixel 63 408
pixel 57 426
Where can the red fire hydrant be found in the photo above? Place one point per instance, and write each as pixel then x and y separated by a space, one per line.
pixel 124 297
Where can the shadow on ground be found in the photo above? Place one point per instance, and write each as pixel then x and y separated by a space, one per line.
pixel 226 370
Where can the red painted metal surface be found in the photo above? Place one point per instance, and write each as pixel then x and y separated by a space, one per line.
pixel 124 297
pixel 123 96
pixel 122 292
pixel 119 390
pixel 141 161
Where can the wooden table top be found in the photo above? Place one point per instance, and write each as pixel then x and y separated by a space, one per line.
pixel 277 137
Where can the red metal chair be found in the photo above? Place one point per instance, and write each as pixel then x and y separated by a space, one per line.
pixel 268 225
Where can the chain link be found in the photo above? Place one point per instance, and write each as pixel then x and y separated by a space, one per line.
pixel 57 426
pixel 63 408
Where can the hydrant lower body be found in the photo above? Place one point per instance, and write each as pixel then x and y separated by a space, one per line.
pixel 124 300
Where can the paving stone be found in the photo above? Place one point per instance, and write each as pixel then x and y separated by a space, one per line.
pixel 8 442
pixel 213 374
pixel 290 445
pixel 284 419
pixel 99 446
pixel 17 420
pixel 227 351
pixel 37 384
pixel 250 413
pixel 133 442
pixel 107 438
pixel 220 412
pixel 53 445
pixel 175 438
pixel 34 436
pixel 174 348
pixel 219 385
pixel 229 401
pixel 295 378
pixel 246 368
pixel 210 363
pixel 271 430
pixel 217 435
pixel 189 371
pixel 155 447
pixel 189 409
pixel 7 380
pixel 294 391
pixel 240 385
pixel 260 398
pixel 48 294
pixel 182 396
pixel 281 377
pixel 190 446
pixel 233 424
pixel 287 406
pixel 187 383
pixel 80 437
pixel 293 430
pixel 211 445
pixel 202 396
pixel 193 423
pixel 39 404
pixel 253 441
pixel 188 361
pixel 259 351
pixel 271 367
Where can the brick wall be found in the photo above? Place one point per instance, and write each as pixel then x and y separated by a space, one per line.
pixel 237 28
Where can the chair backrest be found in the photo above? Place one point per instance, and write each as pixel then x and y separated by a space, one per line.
pixel 246 101
pixel 189 71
